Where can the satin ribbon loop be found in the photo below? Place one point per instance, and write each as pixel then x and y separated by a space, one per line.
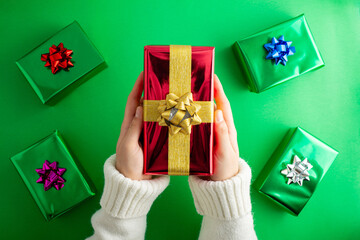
pixel 179 113
pixel 279 50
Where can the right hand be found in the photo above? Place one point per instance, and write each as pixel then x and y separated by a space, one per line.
pixel 129 153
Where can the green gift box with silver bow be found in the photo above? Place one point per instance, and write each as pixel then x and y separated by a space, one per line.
pixel 295 169
pixel 278 54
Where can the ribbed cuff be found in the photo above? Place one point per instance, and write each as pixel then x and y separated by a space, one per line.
pixel 127 198
pixel 225 200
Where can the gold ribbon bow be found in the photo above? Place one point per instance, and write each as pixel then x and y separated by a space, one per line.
pixel 179 113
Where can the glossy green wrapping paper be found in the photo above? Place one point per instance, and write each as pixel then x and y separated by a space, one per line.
pixel 85 58
pixel 52 202
pixel 261 73
pixel 274 185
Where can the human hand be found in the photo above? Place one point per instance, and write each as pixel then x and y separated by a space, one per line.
pixel 226 150
pixel 129 153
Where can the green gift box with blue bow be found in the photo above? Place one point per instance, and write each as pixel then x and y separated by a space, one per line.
pixel 278 54
pixel 295 169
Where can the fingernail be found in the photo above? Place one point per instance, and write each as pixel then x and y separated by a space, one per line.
pixel 219 116
pixel 138 112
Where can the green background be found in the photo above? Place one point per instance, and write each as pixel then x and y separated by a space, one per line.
pixel 325 102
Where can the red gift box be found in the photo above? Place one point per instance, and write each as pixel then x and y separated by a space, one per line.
pixel 163 69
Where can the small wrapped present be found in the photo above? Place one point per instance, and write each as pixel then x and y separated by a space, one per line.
pixel 295 169
pixel 178 110
pixel 59 61
pixel 52 177
pixel 278 54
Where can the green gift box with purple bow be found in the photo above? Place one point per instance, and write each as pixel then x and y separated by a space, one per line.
pixel 52 176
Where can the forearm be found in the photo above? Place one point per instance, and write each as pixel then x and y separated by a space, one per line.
pixel 108 227
pixel 238 228
pixel 125 204
pixel 225 205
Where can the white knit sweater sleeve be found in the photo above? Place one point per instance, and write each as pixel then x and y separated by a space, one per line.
pixel 125 204
pixel 225 206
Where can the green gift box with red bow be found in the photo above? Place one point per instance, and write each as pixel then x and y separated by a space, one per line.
pixel 60 61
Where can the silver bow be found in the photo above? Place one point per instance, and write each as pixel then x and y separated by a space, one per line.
pixel 297 172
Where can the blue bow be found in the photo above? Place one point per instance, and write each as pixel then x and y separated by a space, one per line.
pixel 279 49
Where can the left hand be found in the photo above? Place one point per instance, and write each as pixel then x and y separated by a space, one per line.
pixel 226 150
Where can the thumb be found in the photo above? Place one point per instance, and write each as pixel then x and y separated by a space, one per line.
pixel 222 138
pixel 134 131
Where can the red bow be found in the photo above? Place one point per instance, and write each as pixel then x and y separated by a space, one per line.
pixel 58 57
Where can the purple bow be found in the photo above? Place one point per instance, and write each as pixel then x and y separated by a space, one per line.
pixel 50 175
pixel 279 49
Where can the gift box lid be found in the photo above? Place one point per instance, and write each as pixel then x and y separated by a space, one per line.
pixel 273 184
pixel 263 74
pixel 52 202
pixel 85 58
